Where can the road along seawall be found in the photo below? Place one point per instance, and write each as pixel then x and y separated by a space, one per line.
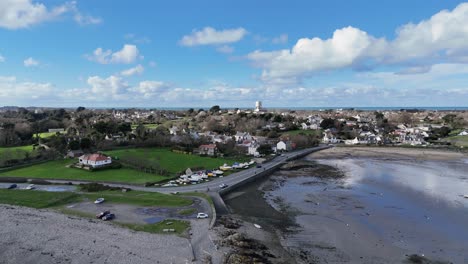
pixel 258 173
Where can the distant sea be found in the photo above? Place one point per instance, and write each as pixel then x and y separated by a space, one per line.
pixel 312 108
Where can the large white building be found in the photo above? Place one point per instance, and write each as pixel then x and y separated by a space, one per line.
pixel 258 107
pixel 95 160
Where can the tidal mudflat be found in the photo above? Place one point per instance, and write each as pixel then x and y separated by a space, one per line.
pixel 381 211
pixel 367 209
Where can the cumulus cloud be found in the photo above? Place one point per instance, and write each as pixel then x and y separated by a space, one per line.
pixel 112 86
pixel 30 62
pixel 440 39
pixel 132 71
pixel 13 90
pixel 151 89
pixel 211 36
pixel 128 54
pixel 16 14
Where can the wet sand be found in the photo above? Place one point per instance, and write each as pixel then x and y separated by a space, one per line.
pixel 389 153
pixel 390 204
pixel 383 210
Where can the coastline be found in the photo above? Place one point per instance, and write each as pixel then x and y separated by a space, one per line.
pixel 336 229
pixel 389 153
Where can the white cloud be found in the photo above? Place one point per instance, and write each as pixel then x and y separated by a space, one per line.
pixel 2 59
pixel 12 90
pixel 16 14
pixel 112 86
pixel 128 54
pixel 210 36
pixel 440 39
pixel 225 49
pixel 281 39
pixel 30 62
pixel 151 89
pixel 132 71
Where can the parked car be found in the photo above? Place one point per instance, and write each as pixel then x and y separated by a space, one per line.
pixel 30 187
pixel 99 200
pixel 108 217
pixel 202 215
pixel 223 185
pixel 259 166
pixel 102 214
pixel 174 193
pixel 13 186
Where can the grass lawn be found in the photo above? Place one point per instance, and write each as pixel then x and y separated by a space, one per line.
pixel 189 211
pixel 200 194
pixel 178 225
pixel 458 140
pixel 43 199
pixel 140 198
pixel 171 161
pixel 37 199
pixel 148 126
pixel 48 134
pixel 306 132
pixel 16 152
pixel 57 170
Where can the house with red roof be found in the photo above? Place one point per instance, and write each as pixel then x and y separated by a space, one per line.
pixel 95 160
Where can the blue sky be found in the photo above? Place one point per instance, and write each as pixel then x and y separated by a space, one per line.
pixel 200 53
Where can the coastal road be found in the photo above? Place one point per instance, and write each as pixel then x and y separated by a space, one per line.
pixel 213 185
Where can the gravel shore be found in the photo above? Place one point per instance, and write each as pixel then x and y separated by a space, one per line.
pixel 44 236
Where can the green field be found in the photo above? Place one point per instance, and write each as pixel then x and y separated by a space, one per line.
pixel 171 161
pixel 48 134
pixel 461 141
pixel 37 199
pixel 58 170
pixel 148 126
pixel 43 199
pixel 305 132
pixel 16 152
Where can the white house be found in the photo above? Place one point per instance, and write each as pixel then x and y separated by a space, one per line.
pixel 329 139
pixel 283 146
pixel 354 141
pixel 252 150
pixel 95 160
pixel 463 133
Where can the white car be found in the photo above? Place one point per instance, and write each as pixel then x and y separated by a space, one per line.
pixel 31 187
pixel 222 186
pixel 99 200
pixel 202 215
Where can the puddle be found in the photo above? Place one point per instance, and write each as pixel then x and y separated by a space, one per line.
pixel 154 220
